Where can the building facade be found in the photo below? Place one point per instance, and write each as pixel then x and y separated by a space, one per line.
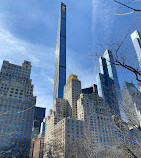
pixel 42 128
pixel 60 61
pixel 38 148
pixel 72 91
pixel 92 89
pixel 61 110
pixel 17 105
pixel 97 128
pixel 136 39
pixel 132 103
pixel 97 117
pixel 39 115
pixel 62 107
pixel 108 84
pixel 66 133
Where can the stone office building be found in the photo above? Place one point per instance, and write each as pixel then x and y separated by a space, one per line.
pixel 17 105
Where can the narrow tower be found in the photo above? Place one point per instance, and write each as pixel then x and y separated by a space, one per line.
pixel 60 61
pixel 136 39
pixel 72 91
pixel 108 84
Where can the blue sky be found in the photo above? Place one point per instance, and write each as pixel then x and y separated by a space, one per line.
pixel 28 31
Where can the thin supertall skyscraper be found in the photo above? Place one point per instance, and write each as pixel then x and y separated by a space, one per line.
pixel 60 61
pixel 136 39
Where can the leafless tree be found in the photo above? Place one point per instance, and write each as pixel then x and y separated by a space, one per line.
pixel 128 4
pixel 120 59
pixel 55 147
pixel 81 147
pixel 124 130
pixel 113 152
pixel 84 148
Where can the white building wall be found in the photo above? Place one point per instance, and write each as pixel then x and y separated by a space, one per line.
pixel 97 117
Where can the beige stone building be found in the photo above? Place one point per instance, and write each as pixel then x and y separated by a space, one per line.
pixel 62 109
pixel 79 117
pixel 98 118
pixel 72 91
pixel 38 148
pixel 66 132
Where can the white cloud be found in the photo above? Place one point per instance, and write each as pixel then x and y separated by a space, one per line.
pixel 51 80
pixel 42 58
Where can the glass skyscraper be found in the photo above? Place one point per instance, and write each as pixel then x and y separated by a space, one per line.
pixel 92 89
pixel 60 61
pixel 39 115
pixel 132 102
pixel 108 84
pixel 17 105
pixel 136 39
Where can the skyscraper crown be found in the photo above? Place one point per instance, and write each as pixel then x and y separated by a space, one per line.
pixel 71 77
pixel 135 34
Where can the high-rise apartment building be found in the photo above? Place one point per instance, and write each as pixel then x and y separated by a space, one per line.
pixel 97 117
pixel 62 107
pixel 136 39
pixel 51 120
pixel 17 105
pixel 60 61
pixel 66 133
pixel 72 91
pixel 96 127
pixel 59 111
pixel 108 84
pixel 132 103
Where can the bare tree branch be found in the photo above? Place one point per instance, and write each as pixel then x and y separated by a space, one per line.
pixel 133 10
pixel 136 10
